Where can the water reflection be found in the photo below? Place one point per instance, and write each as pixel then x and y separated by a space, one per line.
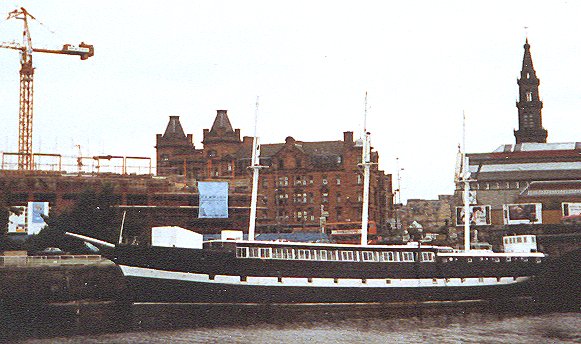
pixel 162 323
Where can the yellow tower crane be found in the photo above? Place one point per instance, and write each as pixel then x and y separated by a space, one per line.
pixel 25 157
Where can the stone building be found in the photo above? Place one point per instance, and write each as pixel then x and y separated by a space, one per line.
pixel 434 215
pixel 531 184
pixel 305 182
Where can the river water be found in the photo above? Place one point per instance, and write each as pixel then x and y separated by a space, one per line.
pixel 163 323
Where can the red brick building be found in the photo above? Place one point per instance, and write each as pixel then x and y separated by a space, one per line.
pixel 304 181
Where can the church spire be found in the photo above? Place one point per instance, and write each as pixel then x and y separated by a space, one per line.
pixel 529 105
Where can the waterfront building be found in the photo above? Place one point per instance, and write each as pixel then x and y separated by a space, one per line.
pixel 305 184
pixel 434 215
pixel 529 185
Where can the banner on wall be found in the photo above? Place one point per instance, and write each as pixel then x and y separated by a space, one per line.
pixel 17 221
pixel 479 215
pixel 28 219
pixel 524 213
pixel 35 212
pixel 213 200
pixel 571 209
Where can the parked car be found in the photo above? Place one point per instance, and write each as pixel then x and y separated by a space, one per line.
pixel 50 251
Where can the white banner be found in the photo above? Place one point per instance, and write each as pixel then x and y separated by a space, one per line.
pixel 213 200
pixel 479 215
pixel 17 223
pixel 35 220
pixel 571 209
pixel 515 214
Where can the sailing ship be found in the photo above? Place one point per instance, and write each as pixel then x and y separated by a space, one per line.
pixel 180 267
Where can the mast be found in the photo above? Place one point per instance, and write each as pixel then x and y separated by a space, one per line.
pixel 464 176
pixel 366 163
pixel 465 179
pixel 255 166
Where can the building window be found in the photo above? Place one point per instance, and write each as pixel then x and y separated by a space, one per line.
pixel 211 153
pixel 325 197
pixel 338 180
pixel 281 164
pixel 282 181
pixel 529 96
pixel 299 163
pixel 164 157
pixel 359 179
pixel 325 181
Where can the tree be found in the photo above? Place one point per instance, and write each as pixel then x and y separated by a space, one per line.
pixel 5 210
pixel 94 214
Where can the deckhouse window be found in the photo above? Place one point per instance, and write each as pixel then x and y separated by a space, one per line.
pixel 253 252
pixel 407 256
pixel 347 255
pixel 368 256
pixel 427 256
pixel 387 257
pixel 333 255
pixel 304 254
pixel 265 252
pixel 241 252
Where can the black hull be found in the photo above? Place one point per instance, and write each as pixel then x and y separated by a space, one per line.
pixel 156 274
pixel 173 291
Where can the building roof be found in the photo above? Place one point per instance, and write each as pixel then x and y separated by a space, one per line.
pixel 553 189
pixel 313 149
pixel 222 123
pixel 174 129
pixel 528 161
pixel 536 147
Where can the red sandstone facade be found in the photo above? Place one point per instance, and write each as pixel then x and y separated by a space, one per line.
pixel 305 182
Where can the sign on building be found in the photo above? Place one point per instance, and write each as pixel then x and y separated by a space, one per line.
pixel 524 213
pixel 479 215
pixel 571 209
pixel 17 221
pixel 35 212
pixel 29 219
pixel 213 200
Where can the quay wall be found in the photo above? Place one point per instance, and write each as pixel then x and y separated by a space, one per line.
pixel 29 281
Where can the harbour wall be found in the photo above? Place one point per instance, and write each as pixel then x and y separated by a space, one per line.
pixel 43 280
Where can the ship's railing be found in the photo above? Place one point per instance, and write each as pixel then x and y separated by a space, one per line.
pixel 49 260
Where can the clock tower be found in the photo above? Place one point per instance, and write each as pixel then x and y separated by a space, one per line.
pixel 530 120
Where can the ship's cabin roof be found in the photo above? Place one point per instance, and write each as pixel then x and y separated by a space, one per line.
pixel 232 244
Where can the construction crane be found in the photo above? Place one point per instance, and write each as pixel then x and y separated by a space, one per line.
pixel 84 51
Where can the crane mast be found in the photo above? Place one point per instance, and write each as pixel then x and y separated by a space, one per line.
pixel 25 156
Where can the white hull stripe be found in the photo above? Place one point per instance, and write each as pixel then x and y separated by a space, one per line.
pixel 131 271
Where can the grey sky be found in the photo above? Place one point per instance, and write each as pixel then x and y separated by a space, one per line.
pixel 311 62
